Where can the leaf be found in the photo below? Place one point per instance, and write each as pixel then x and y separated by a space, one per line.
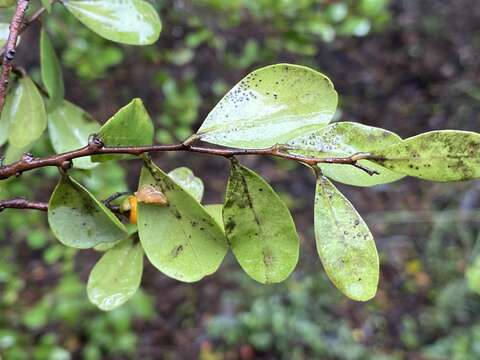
pixel 130 126
pixel 180 239
pixel 344 139
pixel 69 128
pixel 116 277
pixel 344 243
pixel 133 22
pixel 259 227
pixel 52 75
pixel 79 220
pixel 25 113
pixel 215 211
pixel 14 153
pixel 445 155
pixel 7 3
pixel 269 106
pixel 473 275
pixel 47 5
pixel 184 177
pixel 4 31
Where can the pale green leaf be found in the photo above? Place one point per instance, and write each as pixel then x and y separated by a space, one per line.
pixel 181 239
pixel 79 220
pixel 14 153
pixel 69 128
pixel 344 139
pixel 116 277
pixel 4 31
pixel 133 22
pixel 26 114
pixel 184 177
pixel 130 126
pixel 7 3
pixel 47 5
pixel 269 106
pixel 344 243
pixel 445 155
pixel 215 211
pixel 259 227
pixel 473 275
pixel 51 70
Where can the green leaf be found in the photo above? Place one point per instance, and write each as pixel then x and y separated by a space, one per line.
pixel 344 139
pixel 79 220
pixel 25 114
pixel 69 128
pixel 445 155
pixel 184 177
pixel 269 106
pixel 133 22
pixel 130 126
pixel 344 243
pixel 14 153
pixel 4 32
pixel 116 277
pixel 7 3
pixel 52 75
pixel 181 239
pixel 47 5
pixel 473 275
pixel 259 227
pixel 215 211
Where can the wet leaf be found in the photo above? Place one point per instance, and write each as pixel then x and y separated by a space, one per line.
pixel 79 220
pixel 184 177
pixel 25 113
pixel 116 277
pixel 130 126
pixel 181 239
pixel 215 211
pixel 344 243
pixel 445 155
pixel 52 75
pixel 259 227
pixel 271 105
pixel 69 128
pixel 344 139
pixel 133 22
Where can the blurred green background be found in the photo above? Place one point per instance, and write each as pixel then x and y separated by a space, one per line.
pixel 405 65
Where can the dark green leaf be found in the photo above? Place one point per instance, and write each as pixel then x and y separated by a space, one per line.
pixel 271 105
pixel 342 140
pixel 79 220
pixel 116 277
pixel 446 155
pixel 133 22
pixel 181 239
pixel 184 177
pixel 259 227
pixel 344 243
pixel 130 126
pixel 52 75
pixel 69 128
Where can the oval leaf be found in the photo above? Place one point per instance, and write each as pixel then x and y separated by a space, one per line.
pixel 69 128
pixel 259 227
pixel 52 75
pixel 344 243
pixel 130 126
pixel 445 155
pixel 133 22
pixel 26 114
pixel 269 106
pixel 181 239
pixel 116 276
pixel 342 140
pixel 79 220
pixel 184 177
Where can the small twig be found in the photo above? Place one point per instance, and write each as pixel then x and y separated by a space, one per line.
pixel 20 203
pixel 108 201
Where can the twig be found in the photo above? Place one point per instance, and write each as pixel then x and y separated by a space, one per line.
pixel 20 203
pixel 9 52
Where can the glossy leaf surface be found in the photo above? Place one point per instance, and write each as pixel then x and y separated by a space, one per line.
pixel 51 70
pixel 344 139
pixel 344 243
pixel 259 227
pixel 69 128
pixel 130 126
pixel 133 22
pixel 79 220
pixel 116 276
pixel 269 106
pixel 445 155
pixel 184 177
pixel 25 113
pixel 181 239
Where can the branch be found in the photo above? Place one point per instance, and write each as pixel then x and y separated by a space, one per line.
pixel 96 147
pixel 20 203
pixel 9 53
